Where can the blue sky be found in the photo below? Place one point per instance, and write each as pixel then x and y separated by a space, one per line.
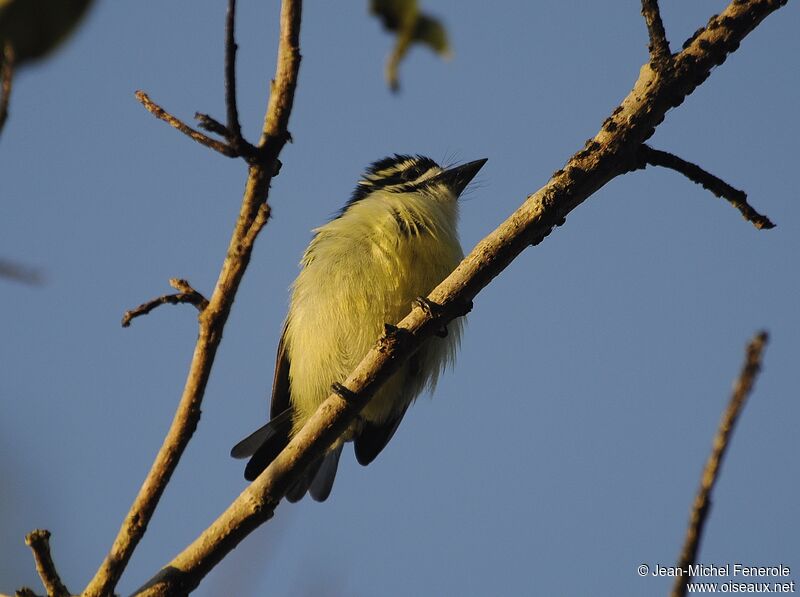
pixel 565 447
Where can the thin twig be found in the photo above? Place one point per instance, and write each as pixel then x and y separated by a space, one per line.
pixel 187 295
pixel 660 54
pixel 702 501
pixel 212 125
pixel 234 128
pixel 6 80
pixel 39 542
pixel 588 170
pixel 720 188
pixel 176 123
pixel 253 215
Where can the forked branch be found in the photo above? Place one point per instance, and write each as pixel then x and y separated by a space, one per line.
pixel 253 216
pixel 181 126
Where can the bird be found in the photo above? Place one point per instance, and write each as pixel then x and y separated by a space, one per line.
pixel 394 240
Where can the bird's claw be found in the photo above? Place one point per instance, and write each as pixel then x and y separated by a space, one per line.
pixel 432 310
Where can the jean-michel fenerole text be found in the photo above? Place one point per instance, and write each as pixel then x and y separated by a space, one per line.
pixel 724 570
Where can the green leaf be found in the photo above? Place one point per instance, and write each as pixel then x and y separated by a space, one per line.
pixel 411 26
pixel 37 27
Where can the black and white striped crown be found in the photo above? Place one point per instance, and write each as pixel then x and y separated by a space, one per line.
pixel 398 173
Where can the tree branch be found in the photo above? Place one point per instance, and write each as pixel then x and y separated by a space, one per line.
pixel 253 215
pixel 702 501
pixel 187 295
pixel 39 542
pixel 720 188
pixel 178 124
pixel 660 54
pixel 275 132
pixel 605 157
pixel 6 80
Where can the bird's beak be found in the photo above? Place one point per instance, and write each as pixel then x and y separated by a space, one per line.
pixel 459 177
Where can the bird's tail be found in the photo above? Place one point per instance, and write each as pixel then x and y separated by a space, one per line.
pixel 263 446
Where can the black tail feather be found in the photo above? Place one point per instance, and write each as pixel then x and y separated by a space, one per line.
pixel 264 444
pixel 323 481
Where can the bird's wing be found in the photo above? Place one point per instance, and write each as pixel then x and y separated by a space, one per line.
pixel 264 444
pixel 373 438
pixel 322 484
pixel 280 382
pixel 277 426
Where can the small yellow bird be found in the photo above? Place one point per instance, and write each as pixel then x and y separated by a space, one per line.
pixel 393 242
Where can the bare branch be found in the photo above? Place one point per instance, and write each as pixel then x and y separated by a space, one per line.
pixel 176 123
pixel 631 124
pixel 187 295
pixel 39 542
pixel 702 501
pixel 253 215
pixel 6 80
pixel 24 592
pixel 660 54
pixel 720 188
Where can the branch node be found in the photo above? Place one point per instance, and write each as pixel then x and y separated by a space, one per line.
pixel 738 199
pixel 39 542
pixel 187 295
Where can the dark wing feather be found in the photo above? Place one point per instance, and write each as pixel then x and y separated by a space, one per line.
pixel 270 448
pixel 373 438
pixel 322 484
pixel 267 442
pixel 280 381
pixel 299 488
pixel 279 425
